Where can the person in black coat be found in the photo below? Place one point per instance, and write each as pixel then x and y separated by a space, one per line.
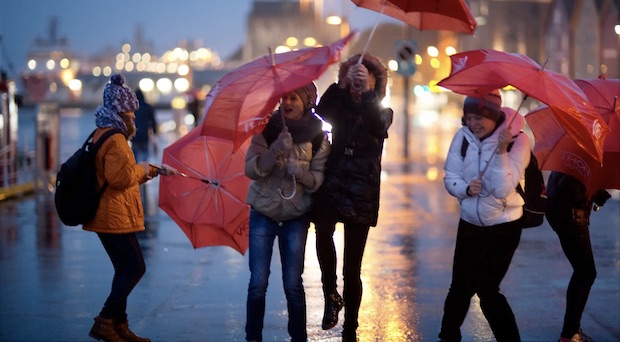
pixel 569 216
pixel 350 191
pixel 146 129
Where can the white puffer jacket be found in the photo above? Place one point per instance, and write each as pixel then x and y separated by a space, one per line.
pixel 499 202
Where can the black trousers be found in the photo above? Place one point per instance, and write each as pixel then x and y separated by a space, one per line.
pixel 129 267
pixel 572 227
pixel 481 259
pixel 355 237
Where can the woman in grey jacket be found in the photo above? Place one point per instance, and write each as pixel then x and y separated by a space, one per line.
pixel 286 165
pixel 483 177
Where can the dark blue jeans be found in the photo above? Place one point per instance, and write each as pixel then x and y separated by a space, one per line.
pixel 481 259
pixel 126 256
pixel 292 237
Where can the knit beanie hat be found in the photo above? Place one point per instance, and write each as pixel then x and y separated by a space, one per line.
pixel 118 97
pixel 308 95
pixel 488 106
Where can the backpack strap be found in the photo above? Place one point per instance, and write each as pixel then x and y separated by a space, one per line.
pixel 464 146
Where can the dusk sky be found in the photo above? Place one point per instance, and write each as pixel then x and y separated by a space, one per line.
pixel 90 26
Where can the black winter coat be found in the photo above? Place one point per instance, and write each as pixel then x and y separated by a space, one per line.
pixel 353 169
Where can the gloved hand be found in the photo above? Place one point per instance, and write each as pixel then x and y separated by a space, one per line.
pixel 294 168
pixel 166 170
pixel 357 77
pixel 283 144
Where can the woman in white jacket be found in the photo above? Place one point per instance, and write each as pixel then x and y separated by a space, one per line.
pixel 483 175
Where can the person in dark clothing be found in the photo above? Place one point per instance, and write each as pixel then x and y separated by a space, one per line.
pixel 569 216
pixel 350 192
pixel 146 129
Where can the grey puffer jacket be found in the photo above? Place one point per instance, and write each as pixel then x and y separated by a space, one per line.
pixel 267 190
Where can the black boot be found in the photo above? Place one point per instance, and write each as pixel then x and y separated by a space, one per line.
pixel 123 330
pixel 103 329
pixel 349 336
pixel 333 305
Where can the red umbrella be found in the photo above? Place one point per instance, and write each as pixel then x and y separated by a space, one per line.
pixel 557 151
pixel 478 72
pixel 449 15
pixel 240 104
pixel 207 199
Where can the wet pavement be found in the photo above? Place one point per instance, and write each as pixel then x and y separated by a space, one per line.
pixel 54 279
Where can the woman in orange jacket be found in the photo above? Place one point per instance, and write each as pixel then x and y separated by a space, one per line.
pixel 120 214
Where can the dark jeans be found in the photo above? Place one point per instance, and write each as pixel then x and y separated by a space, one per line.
pixel 126 256
pixel 481 259
pixel 575 240
pixel 355 236
pixel 292 235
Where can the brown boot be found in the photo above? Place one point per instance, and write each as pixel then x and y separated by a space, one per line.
pixel 103 329
pixel 123 330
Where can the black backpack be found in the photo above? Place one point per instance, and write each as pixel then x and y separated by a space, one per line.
pixel 77 197
pixel 535 194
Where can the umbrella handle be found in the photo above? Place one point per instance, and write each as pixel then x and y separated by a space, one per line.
pixel 372 33
pixel 292 194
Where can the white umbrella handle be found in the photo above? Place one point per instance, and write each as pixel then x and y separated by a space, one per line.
pixel 372 33
pixel 294 190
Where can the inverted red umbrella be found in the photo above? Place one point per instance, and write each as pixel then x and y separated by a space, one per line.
pixel 449 15
pixel 241 103
pixel 207 198
pixel 478 72
pixel 557 151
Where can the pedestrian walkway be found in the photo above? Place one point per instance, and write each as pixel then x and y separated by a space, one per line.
pixel 54 279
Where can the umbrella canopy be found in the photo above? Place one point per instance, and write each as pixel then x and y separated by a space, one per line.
pixel 450 15
pixel 241 103
pixel 557 151
pixel 207 200
pixel 478 72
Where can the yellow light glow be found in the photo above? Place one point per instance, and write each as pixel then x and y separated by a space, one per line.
pixel 64 63
pixel 32 64
pixel 435 63
pixel 291 41
pixel 178 103
pixel 309 41
pixel 66 76
pixel 107 71
pixel 418 59
pixel 136 57
pixel 96 71
pixel 50 64
pixel 126 48
pixel 181 85
pixel 120 57
pixel 119 65
pixel 333 20
pixel 129 66
pixel 146 57
pixel 432 173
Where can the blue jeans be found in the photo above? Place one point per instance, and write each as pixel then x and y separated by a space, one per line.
pixel 292 236
pixel 126 256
